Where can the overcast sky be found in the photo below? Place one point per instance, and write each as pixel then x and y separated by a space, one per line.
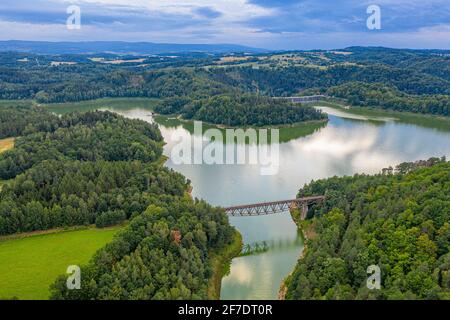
pixel 270 24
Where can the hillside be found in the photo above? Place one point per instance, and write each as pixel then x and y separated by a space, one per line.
pixel 401 80
pixel 398 221
pixel 101 168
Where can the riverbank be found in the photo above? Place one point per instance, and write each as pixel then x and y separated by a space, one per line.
pixel 303 127
pixel 286 132
pixel 426 120
pixel 180 119
pixel 220 264
pixel 306 229
pixel 441 123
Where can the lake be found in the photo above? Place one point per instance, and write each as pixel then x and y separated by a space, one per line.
pixel 346 145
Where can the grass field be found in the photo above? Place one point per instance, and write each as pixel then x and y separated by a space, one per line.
pixel 29 265
pixel 6 144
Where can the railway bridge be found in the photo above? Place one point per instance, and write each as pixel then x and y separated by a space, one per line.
pixel 266 208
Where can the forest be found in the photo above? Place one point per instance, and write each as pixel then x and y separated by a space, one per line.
pixel 100 168
pixel 412 80
pixel 240 110
pixel 406 90
pixel 162 254
pixel 72 136
pixel 379 95
pixel 21 120
pixel 397 220
pixel 75 193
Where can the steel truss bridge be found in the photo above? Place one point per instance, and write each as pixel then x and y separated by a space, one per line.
pixel 266 208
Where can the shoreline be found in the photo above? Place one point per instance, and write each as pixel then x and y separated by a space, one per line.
pixel 337 104
pixel 426 120
pixel 220 262
pixel 305 233
pixel 89 104
pixel 24 235
pixel 224 126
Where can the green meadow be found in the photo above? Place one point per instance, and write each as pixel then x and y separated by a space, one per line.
pixel 29 265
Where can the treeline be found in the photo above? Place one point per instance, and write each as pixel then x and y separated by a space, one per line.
pixel 87 82
pixel 162 254
pixel 380 95
pixel 291 80
pixel 240 110
pixel 72 193
pixel 90 136
pixel 22 120
pixel 397 221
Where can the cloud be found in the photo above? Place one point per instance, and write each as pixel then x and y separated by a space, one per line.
pixel 207 12
pixel 274 24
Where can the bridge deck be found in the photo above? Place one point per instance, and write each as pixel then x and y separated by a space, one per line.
pixel 266 208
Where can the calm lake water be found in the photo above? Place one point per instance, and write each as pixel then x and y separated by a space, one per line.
pixel 348 144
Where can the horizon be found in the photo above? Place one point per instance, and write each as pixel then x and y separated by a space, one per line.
pixel 217 44
pixel 268 24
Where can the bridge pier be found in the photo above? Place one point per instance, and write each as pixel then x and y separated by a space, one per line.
pixel 305 209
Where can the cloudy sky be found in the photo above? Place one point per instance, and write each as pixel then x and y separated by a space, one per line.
pixel 270 24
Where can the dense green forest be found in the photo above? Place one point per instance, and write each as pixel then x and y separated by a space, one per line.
pixel 101 168
pixel 162 254
pixel 380 95
pixel 414 80
pixel 72 193
pixel 290 80
pixel 241 110
pixel 407 90
pixel 73 136
pixel 398 220
pixel 25 120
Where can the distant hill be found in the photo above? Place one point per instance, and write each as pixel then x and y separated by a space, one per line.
pixel 119 47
